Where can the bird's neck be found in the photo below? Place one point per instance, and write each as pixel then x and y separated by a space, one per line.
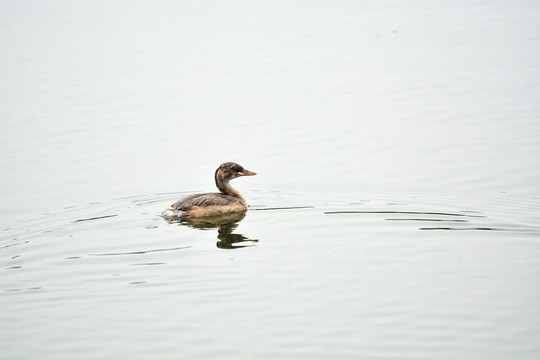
pixel 226 188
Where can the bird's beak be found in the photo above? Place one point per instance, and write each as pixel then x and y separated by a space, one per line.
pixel 247 173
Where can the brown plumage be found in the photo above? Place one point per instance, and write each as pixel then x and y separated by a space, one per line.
pixel 229 200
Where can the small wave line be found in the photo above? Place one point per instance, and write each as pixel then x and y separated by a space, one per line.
pixel 401 212
pixel 141 252
pixel 95 218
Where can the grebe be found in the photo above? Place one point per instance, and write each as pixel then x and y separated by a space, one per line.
pixel 213 204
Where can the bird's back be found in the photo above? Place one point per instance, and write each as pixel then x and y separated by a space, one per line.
pixel 206 199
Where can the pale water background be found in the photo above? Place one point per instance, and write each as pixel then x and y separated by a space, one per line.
pixel 395 214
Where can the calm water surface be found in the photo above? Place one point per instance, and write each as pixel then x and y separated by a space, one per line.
pixel 395 214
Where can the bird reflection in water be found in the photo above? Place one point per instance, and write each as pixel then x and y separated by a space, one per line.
pixel 225 224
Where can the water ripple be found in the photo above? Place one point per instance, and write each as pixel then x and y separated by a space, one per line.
pixel 141 251
pixel 399 212
pixel 95 218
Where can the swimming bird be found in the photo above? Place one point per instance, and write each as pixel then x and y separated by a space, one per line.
pixel 227 201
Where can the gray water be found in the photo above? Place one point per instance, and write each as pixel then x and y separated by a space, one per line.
pixel 395 214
